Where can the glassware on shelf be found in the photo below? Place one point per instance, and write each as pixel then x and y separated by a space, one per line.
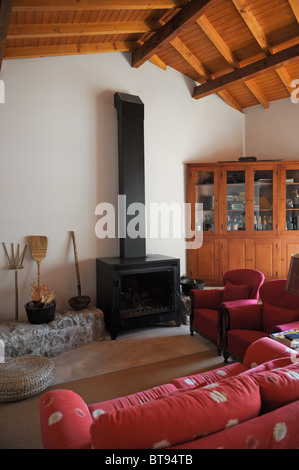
pixel 292 200
pixel 235 200
pixel 263 200
pixel 205 195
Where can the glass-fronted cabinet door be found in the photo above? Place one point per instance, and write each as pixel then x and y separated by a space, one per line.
pixel 263 219
pixel 291 219
pixel 248 199
pixel 235 201
pixel 206 193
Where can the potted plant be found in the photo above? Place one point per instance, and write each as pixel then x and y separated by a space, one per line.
pixel 41 309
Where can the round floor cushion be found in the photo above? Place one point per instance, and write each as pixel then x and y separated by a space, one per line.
pixel 25 376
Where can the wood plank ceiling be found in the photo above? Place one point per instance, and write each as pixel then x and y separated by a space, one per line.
pixel 247 51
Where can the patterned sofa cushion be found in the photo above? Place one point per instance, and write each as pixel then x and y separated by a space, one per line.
pixel 178 418
pixel 278 387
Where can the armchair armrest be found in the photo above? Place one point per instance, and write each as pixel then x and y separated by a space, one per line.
pixel 65 420
pixel 245 317
pixel 285 326
pixel 209 298
pixel 238 303
pixel 264 350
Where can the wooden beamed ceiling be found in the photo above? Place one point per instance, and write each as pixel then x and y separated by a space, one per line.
pixel 246 51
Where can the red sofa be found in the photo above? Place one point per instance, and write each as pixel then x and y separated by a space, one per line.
pixel 254 404
pixel 241 287
pixel 242 325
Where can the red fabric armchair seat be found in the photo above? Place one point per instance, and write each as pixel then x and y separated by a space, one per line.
pixel 244 324
pixel 241 287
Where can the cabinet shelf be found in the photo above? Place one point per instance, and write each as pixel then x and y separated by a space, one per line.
pixel 257 209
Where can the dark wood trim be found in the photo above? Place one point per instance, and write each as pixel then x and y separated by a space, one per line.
pixel 273 62
pixel 186 16
pixel 5 13
pixel 224 319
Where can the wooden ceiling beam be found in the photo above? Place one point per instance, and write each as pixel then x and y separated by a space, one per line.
pixel 257 31
pixel 257 92
pixel 5 13
pixel 185 52
pixel 80 29
pixel 158 62
pixel 204 74
pixel 229 56
pixel 252 23
pixel 217 40
pixel 65 5
pixel 227 97
pixel 285 78
pixel 68 49
pixel 295 7
pixel 273 62
pixel 286 43
pixel 186 16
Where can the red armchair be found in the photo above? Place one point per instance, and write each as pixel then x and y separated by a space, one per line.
pixel 242 325
pixel 241 287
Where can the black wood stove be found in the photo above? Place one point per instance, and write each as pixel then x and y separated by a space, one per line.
pixel 135 289
pixel 138 291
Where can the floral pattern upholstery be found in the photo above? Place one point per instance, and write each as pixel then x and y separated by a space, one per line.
pixel 249 405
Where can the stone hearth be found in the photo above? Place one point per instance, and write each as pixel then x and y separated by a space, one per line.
pixel 67 331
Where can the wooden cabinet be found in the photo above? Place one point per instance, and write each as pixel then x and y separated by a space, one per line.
pixel 249 216
pixel 235 254
pixel 289 247
pixel 266 257
pixel 207 263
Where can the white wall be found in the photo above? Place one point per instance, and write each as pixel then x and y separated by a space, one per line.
pixel 58 159
pixel 272 133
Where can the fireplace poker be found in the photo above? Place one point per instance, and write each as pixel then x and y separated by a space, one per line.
pixel 80 301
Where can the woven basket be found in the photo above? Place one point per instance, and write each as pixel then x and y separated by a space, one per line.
pixel 25 376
